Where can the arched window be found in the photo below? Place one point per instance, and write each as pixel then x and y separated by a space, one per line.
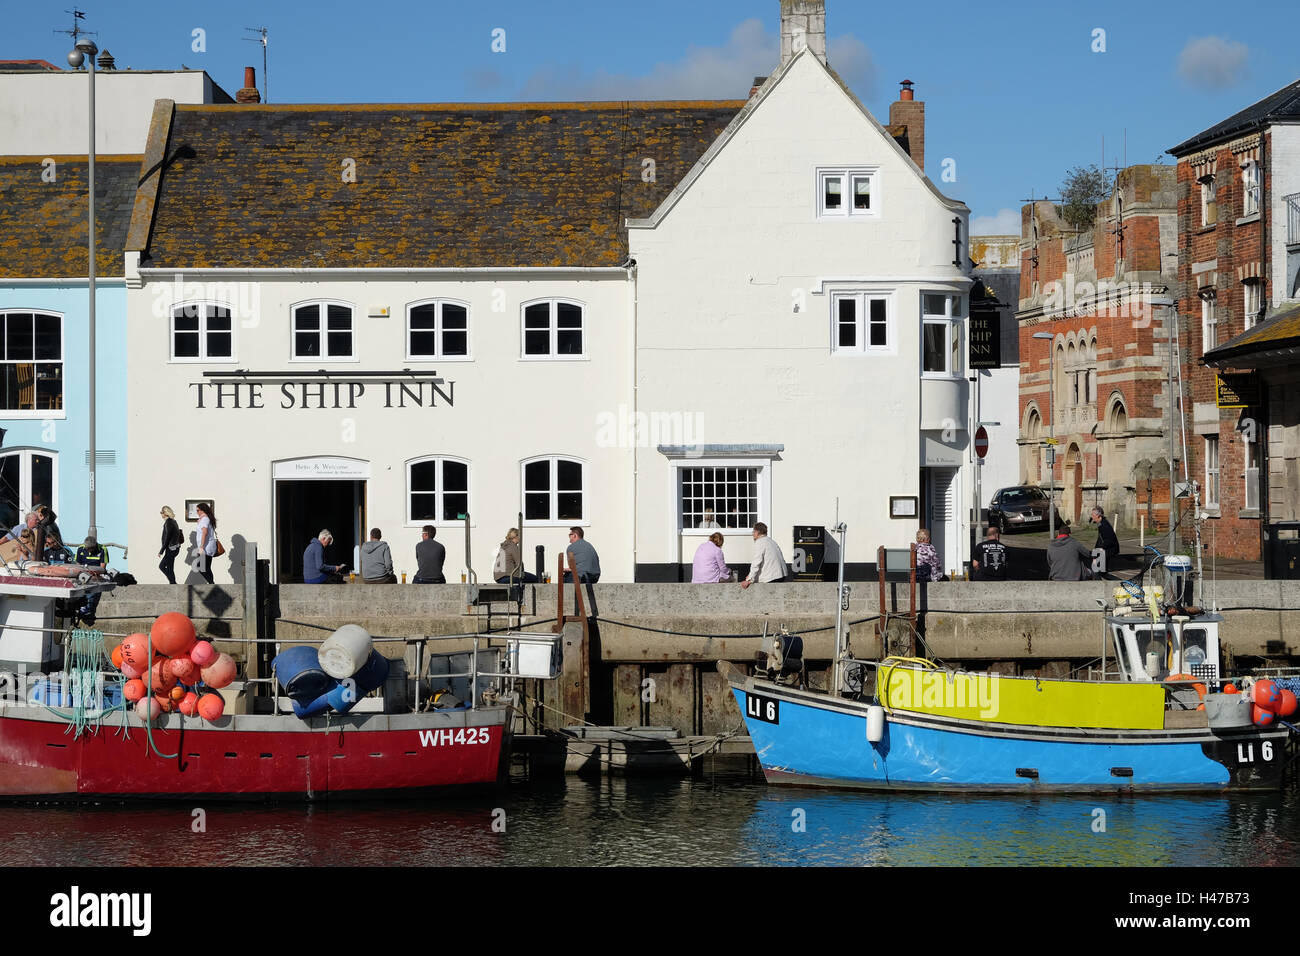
pixel 553 490
pixel 1033 424
pixel 436 329
pixel 437 489
pixel 202 331
pixel 322 330
pixel 554 329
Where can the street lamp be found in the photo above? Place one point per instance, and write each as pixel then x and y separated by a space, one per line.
pixel 1051 400
pixel 85 52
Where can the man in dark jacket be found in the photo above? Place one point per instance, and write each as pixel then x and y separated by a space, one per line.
pixel 91 555
pixel 1107 540
pixel 1067 559
pixel 429 556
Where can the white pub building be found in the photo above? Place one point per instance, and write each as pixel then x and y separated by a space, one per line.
pixel 639 318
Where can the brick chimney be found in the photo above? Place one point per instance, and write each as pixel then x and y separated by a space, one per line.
pixel 803 25
pixel 758 84
pixel 910 113
pixel 249 93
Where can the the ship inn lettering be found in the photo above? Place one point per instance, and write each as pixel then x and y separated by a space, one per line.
pixel 401 390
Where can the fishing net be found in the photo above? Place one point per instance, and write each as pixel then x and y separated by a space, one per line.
pixel 87 673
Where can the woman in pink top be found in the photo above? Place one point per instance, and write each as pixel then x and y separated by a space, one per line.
pixel 710 566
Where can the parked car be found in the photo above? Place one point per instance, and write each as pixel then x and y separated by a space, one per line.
pixel 1022 507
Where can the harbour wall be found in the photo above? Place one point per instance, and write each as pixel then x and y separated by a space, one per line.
pixel 654 646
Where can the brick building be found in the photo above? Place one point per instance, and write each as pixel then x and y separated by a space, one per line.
pixel 1239 224
pixel 1104 295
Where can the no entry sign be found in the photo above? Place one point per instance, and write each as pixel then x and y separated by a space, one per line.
pixel 981 442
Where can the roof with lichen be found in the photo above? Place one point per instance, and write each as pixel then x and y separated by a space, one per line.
pixel 43 215
pixel 1276 339
pixel 437 186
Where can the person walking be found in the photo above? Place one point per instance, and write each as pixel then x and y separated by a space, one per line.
pixel 207 541
pixel 1067 559
pixel 928 565
pixel 430 556
pixel 508 568
pixel 768 564
pixel 710 566
pixel 585 559
pixel 990 558
pixel 171 544
pixel 1107 539
pixel 377 560
pixel 314 567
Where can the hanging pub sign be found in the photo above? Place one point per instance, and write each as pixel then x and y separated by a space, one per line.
pixel 1236 391
pixel 985 338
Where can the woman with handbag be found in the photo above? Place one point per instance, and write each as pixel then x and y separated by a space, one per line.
pixel 171 544
pixel 209 546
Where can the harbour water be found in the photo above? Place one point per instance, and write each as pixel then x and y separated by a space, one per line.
pixel 727 819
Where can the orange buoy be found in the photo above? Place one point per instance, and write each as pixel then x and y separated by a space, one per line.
pixel 203 653
pixel 1287 705
pixel 184 669
pixel 211 706
pixel 116 657
pixel 1197 686
pixel 173 634
pixel 177 693
pixel 1231 689
pixel 161 679
pixel 148 708
pixel 1266 694
pixel 220 672
pixel 135 651
pixel 189 705
pixel 1261 717
pixel 165 703
pixel 133 690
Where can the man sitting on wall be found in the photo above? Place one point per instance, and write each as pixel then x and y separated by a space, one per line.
pixel 768 564
pixel 585 559
pixel 314 567
pixel 91 555
pixel 429 558
pixel 1067 559
pixel 377 560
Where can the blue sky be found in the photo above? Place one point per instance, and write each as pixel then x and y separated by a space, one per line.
pixel 1015 93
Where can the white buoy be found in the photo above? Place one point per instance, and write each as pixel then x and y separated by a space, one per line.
pixel 345 651
pixel 875 724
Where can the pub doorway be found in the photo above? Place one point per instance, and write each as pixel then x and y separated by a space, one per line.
pixel 303 507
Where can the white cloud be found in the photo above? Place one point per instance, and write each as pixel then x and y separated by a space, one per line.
pixel 1005 223
pixel 705 72
pixel 1213 62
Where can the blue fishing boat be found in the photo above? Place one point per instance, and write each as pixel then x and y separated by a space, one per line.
pixel 1158 717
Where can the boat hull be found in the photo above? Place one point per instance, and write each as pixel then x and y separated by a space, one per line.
pixel 809 739
pixel 253 757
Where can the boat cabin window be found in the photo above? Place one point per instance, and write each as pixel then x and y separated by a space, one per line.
pixel 1195 647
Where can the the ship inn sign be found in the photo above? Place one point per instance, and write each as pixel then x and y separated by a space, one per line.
pixel 243 389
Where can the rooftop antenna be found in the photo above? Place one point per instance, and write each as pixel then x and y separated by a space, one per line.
pixel 76 31
pixel 1033 250
pixel 261 38
pixel 1118 217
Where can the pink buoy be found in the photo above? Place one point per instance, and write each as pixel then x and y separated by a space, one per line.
pixel 148 709
pixel 130 673
pixel 203 653
pixel 1260 716
pixel 184 670
pixel 220 672
pixel 173 634
pixel 211 707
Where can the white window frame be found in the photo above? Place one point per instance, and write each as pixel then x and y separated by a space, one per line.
pixel 1213 491
pixel 553 328
pixel 62 361
pixel 846 176
pixel 439 488
pixel 1251 296
pixel 1250 449
pixel 764 479
pixel 553 491
pixel 438 355
pixel 1209 320
pixel 1208 194
pixel 323 331
pixel 25 477
pixel 951 317
pixel 203 357
pixel 1249 188
pixel 862 322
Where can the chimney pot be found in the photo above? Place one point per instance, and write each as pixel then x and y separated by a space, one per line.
pixel 249 93
pixel 906 93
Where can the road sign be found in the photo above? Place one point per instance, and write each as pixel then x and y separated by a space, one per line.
pixel 981 442
pixel 1052 441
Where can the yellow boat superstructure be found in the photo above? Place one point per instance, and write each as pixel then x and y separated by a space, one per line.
pixel 1037 702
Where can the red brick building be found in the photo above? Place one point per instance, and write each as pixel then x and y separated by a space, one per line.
pixel 1105 296
pixel 1239 225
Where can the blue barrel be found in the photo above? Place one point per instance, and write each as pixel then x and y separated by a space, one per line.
pixel 299 673
pixel 372 674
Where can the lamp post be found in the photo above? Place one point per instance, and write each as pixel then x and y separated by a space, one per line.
pixel 1051 400
pixel 85 52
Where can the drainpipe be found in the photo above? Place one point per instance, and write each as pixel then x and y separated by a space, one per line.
pixel 636 451
pixel 1265 217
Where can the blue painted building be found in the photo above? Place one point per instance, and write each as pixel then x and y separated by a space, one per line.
pixel 44 342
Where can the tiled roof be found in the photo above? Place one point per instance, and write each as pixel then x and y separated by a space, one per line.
pixel 43 224
pixel 466 185
pixel 27 66
pixel 1279 331
pixel 1282 105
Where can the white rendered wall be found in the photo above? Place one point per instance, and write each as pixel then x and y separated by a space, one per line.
pixel 1285 181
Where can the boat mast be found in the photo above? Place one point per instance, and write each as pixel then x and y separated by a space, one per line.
pixel 1194 486
pixel 841 529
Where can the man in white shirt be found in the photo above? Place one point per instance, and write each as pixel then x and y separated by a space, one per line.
pixel 768 564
